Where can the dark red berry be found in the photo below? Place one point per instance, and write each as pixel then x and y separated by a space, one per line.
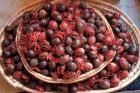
pixel 61 8
pixel 96 63
pixel 47 6
pixel 86 47
pixel 19 66
pixel 30 53
pixel 133 50
pixel 112 67
pixel 79 27
pixel 92 54
pixel 116 30
pixel 43 64
pixel 51 66
pixel 9 69
pixel 98 23
pixel 126 46
pixel 27 15
pixel 34 62
pixel 86 15
pixel 79 52
pixel 57 18
pixel 16 58
pixel 56 41
pixel 103 73
pixel 45 72
pixel 5 43
pixel 68 40
pixel 104 48
pixel 71 66
pixel 6 53
pixel 76 43
pixel 117 58
pixel 49 32
pixel 10 37
pixel 43 22
pixel 69 50
pixel 91 20
pixel 73 89
pixel 104 84
pixel 99 36
pixel 8 29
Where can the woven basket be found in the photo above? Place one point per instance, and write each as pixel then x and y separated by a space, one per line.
pixel 134 73
pixel 62 81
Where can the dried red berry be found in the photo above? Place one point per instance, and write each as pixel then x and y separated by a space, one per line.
pixel 89 31
pixel 123 74
pixel 104 84
pixel 131 58
pixel 53 25
pixel 114 81
pixel 109 54
pixel 79 52
pixel 112 67
pixel 123 63
pixel 91 40
pixel 117 15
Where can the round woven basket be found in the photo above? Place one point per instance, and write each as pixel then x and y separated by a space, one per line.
pixel 82 77
pixel 102 6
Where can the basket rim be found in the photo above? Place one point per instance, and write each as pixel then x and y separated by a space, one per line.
pixel 91 91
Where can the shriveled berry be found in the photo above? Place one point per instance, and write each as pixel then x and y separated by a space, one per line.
pixel 79 52
pixel 30 53
pixel 71 66
pixel 131 58
pixel 112 68
pixel 123 63
pixel 9 69
pixel 49 32
pixel 92 54
pixel 61 8
pixel 83 5
pixel 73 89
pixel 68 40
pixel 53 25
pixel 86 47
pixel 109 54
pixel 51 66
pixel 43 64
pixel 114 81
pixel 88 66
pixel 6 53
pixel 123 74
pixel 104 84
pixel 76 43
pixel 5 43
pixel 79 27
pixel 69 50
pixel 45 72
pixel 42 13
pixel 56 41
pixel 117 15
pixel 8 29
pixel 104 48
pixel 96 63
pixel 34 62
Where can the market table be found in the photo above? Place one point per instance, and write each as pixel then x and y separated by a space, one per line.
pixel 8 7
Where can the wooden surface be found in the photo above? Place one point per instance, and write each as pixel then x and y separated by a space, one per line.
pixel 8 7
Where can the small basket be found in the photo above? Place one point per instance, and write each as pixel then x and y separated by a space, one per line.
pixel 62 81
pixel 105 7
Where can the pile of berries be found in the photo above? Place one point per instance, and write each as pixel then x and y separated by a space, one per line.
pixel 65 41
